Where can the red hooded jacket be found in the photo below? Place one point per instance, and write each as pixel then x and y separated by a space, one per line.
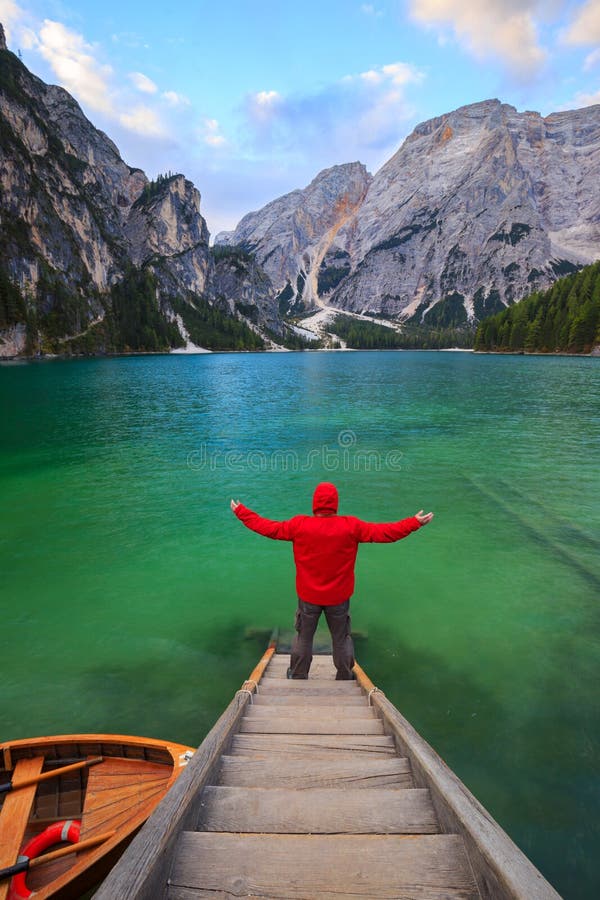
pixel 325 545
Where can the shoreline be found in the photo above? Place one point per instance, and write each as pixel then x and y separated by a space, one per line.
pixel 49 357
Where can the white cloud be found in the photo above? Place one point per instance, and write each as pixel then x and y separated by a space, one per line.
pixel 143 120
pixel 28 39
pixel 175 99
pixel 267 98
pixel 143 83
pixel 401 73
pixel 10 15
pixel 591 60
pixel 262 107
pixel 210 133
pixel 583 99
pixel 398 74
pixel 75 66
pixel 78 68
pixel 359 117
pixel 585 27
pixel 368 9
pixel 372 77
pixel 505 29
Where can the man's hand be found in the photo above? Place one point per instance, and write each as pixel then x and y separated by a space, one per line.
pixel 234 505
pixel 423 518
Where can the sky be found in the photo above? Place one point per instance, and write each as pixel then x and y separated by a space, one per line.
pixel 250 99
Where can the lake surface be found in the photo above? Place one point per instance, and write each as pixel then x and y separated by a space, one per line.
pixel 128 586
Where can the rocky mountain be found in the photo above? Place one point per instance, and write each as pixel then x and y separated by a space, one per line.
pixel 477 209
pixel 77 224
pixel 292 237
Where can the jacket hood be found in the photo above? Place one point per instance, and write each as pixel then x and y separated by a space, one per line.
pixel 325 499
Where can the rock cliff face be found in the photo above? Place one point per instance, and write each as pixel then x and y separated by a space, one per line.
pixel 294 238
pixel 75 220
pixel 164 228
pixel 241 285
pixel 476 209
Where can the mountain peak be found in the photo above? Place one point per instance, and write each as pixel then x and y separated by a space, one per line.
pixel 291 236
pixel 2 38
pixel 478 207
pixel 96 256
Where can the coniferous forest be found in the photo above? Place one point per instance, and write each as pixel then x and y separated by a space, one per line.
pixel 563 319
pixel 366 335
pixel 130 319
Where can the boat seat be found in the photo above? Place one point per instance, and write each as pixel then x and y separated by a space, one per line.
pixel 15 813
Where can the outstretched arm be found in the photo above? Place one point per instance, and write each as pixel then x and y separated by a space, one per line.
pixel 388 532
pixel 278 531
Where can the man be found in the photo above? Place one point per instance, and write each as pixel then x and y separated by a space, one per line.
pixel 325 548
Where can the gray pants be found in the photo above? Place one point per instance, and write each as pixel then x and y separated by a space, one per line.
pixel 338 620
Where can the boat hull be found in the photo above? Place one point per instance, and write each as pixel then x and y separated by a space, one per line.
pixel 115 795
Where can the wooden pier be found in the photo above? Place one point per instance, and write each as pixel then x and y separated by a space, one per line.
pixel 320 789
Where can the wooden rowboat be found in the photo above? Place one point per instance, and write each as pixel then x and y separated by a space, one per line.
pixel 320 788
pixel 109 783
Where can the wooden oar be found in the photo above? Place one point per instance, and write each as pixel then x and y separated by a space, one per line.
pixel 9 786
pixel 26 863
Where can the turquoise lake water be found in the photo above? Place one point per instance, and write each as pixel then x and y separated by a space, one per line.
pixel 128 586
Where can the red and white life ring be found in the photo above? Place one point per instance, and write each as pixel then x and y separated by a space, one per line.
pixel 57 833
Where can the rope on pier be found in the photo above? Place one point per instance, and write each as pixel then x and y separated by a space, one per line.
pixel 245 691
pixel 374 690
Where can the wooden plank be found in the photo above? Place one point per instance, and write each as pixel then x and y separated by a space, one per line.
pixel 113 767
pixel 320 759
pixel 309 686
pixel 317 811
pixel 43 876
pixel 182 893
pixel 238 771
pixel 109 810
pixel 142 871
pixel 280 669
pixel 502 870
pixel 310 725
pixel 117 818
pixel 295 682
pixel 310 744
pixel 297 699
pixel 283 655
pixel 121 783
pixel 422 867
pixel 14 814
pixel 307 711
pixel 319 663
pixel 321 666
pixel 322 675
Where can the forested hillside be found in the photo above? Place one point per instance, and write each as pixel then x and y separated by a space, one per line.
pixel 130 319
pixel 94 257
pixel 368 335
pixel 565 318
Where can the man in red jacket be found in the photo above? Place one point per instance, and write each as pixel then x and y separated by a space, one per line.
pixel 325 548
